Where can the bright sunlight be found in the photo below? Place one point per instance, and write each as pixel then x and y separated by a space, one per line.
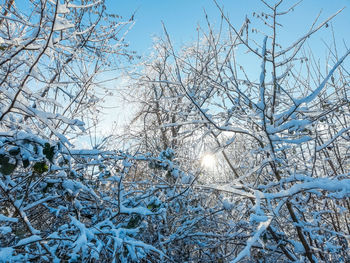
pixel 208 161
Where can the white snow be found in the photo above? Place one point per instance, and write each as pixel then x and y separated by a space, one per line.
pixel 8 219
pixel 5 253
pixel 27 240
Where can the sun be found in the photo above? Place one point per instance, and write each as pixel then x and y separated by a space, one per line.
pixel 208 161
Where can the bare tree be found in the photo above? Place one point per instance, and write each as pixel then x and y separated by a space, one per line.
pixel 52 57
pixel 290 123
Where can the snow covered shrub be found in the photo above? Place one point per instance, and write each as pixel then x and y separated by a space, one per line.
pixel 87 206
pixel 278 122
pixel 51 207
pixel 58 203
pixel 54 207
pixel 283 134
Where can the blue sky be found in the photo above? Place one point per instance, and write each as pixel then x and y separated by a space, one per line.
pixel 182 16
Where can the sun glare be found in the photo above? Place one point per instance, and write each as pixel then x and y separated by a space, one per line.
pixel 208 161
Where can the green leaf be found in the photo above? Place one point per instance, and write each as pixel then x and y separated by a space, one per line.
pixel 4 159
pixel 7 168
pixel 134 221
pixel 40 167
pixel 153 207
pixel 49 151
pixel 48 187
pixel 26 163
pixel 14 151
